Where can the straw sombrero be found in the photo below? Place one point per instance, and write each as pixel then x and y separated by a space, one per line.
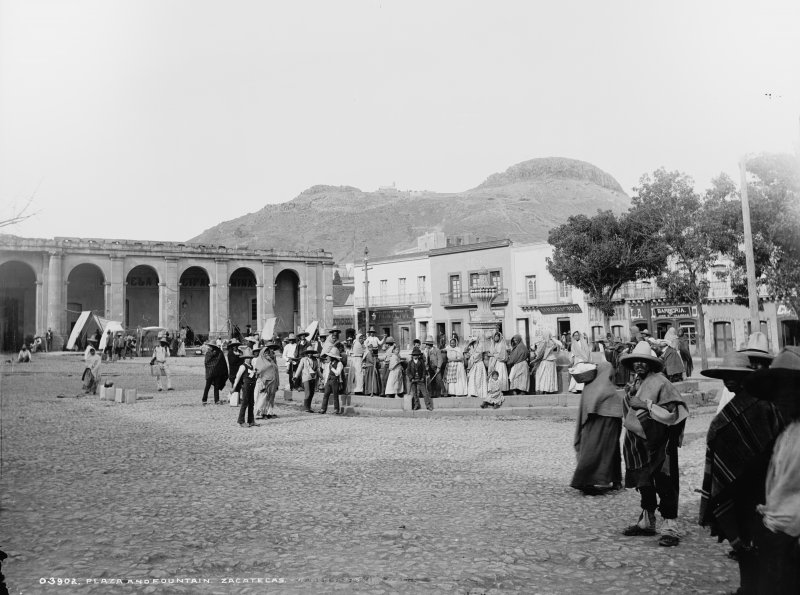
pixel 758 347
pixel 734 365
pixel 642 353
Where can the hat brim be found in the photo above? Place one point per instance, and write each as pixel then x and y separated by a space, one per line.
pixel 723 372
pixel 631 358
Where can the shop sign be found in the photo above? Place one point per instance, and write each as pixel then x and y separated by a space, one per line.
pixel 674 311
pixel 560 309
pixel 637 312
pixel 786 311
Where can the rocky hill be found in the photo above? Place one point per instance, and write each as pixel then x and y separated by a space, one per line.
pixel 522 203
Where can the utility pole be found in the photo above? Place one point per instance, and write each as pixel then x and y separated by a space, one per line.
pixel 366 290
pixel 750 261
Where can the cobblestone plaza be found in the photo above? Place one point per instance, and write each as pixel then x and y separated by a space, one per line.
pixel 176 498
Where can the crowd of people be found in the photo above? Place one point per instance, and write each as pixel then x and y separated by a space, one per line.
pixel 751 487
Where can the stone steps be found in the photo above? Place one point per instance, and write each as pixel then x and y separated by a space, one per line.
pixel 562 405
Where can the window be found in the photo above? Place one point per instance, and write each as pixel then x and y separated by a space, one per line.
pixel 598 333
pixel 530 287
pixel 690 329
pixel 474 279
pixel 495 279
pixel 401 286
pixel 421 285
pixel 455 286
pixel 564 289
pixel 616 330
pixel 723 338
pixel 384 287
pixel 253 309
pixel 456 330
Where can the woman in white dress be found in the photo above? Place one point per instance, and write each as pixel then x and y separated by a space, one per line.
pixel 455 376
pixel 498 356
pixel 476 377
pixel 355 381
pixel 546 372
pixel 394 381
pixel 579 353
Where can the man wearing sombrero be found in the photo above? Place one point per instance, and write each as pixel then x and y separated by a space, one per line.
pixel 759 356
pixel 655 415
pixel 216 371
pixel 739 442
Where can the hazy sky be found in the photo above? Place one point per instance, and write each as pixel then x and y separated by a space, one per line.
pixel 158 119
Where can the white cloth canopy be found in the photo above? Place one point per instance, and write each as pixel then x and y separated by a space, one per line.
pixel 85 319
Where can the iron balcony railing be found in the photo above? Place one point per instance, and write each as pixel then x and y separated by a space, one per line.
pixel 544 297
pixel 462 298
pixel 400 299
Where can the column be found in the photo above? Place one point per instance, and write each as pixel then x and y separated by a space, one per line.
pixel 117 304
pixel 40 328
pixel 169 296
pixel 162 301
pixel 267 300
pixel 107 313
pixel 55 293
pixel 259 306
pixel 221 313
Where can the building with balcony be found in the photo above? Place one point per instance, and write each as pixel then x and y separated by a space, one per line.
pixel 454 270
pixel 541 302
pixel 398 296
pixel 727 324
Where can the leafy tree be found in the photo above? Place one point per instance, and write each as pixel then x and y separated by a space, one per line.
pixel 692 228
pixel 598 255
pixel 773 192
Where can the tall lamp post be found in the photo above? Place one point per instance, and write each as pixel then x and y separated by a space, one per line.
pixel 366 289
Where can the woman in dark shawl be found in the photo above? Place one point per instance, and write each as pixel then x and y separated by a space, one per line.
pixel 518 372
pixel 597 434
pixel 372 378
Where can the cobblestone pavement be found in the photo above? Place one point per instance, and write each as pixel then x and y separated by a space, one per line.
pixel 167 489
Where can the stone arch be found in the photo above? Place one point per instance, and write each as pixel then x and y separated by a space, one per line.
pixel 17 304
pixel 142 304
pixel 86 290
pixel 194 300
pixel 242 295
pixel 287 301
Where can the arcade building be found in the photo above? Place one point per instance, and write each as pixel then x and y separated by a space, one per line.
pixel 47 283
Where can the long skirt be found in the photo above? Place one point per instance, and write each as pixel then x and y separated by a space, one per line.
pixel 456 379
pixel 599 458
pixel 355 380
pixel 89 382
pixel 502 371
pixel 372 381
pixel 518 378
pixel 384 377
pixel 546 379
pixel 477 382
pixel 265 398
pixel 394 381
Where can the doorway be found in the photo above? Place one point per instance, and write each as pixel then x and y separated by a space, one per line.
pixel 790 332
